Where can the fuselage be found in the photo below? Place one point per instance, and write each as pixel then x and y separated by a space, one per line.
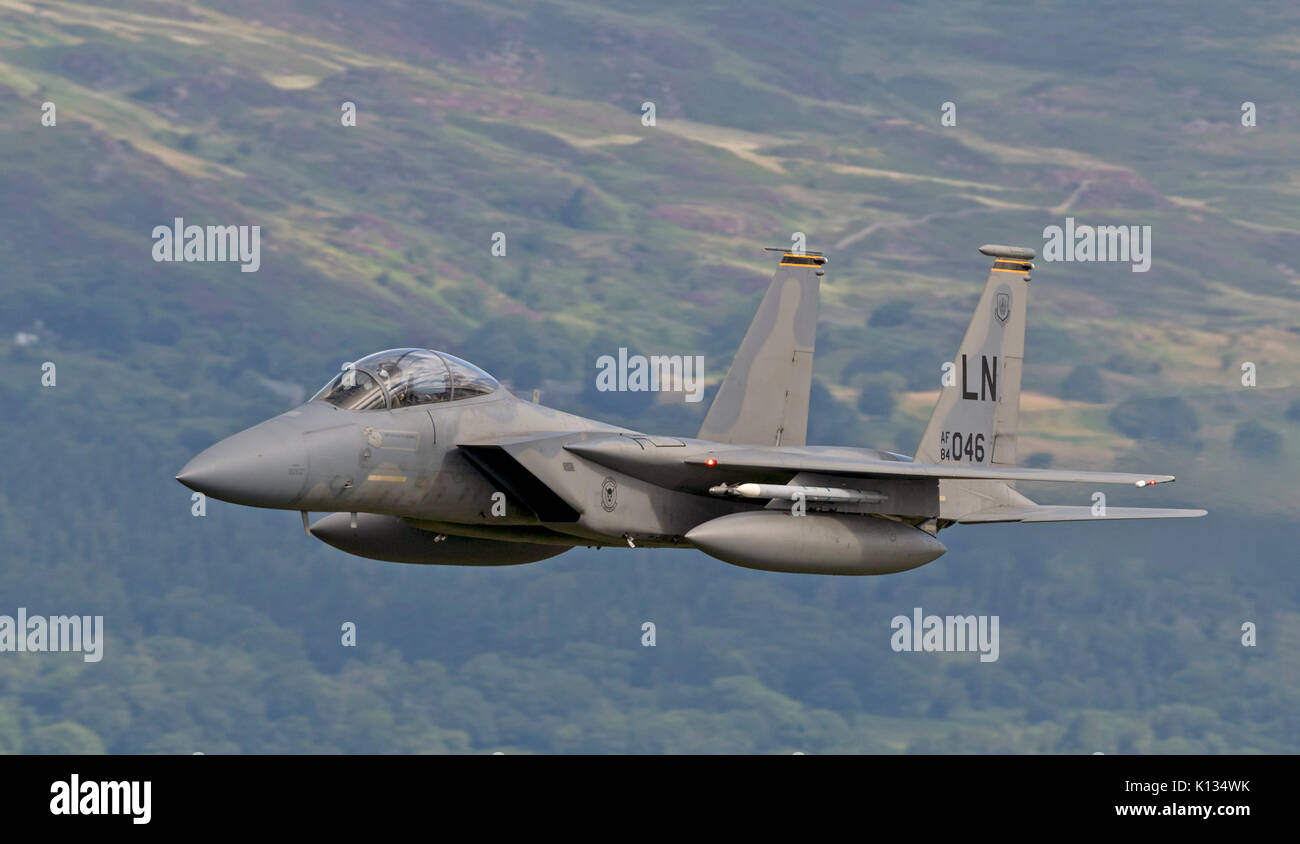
pixel 416 463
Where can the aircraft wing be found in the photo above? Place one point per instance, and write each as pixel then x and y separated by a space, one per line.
pixel 794 460
pixel 905 488
pixel 689 463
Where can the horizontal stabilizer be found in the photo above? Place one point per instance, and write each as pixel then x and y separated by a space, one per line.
pixel 1060 513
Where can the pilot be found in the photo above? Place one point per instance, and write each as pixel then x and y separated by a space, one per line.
pixel 405 394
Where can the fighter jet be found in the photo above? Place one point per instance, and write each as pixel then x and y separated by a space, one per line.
pixel 421 457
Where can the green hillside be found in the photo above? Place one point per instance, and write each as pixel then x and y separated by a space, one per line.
pixel 475 118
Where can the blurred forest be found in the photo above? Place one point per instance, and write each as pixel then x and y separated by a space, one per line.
pixel 223 633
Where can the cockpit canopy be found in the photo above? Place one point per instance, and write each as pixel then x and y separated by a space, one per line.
pixel 405 378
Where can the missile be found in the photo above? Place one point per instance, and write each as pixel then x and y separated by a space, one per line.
pixel 790 492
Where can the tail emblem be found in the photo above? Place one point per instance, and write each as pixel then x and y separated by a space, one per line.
pixel 1003 308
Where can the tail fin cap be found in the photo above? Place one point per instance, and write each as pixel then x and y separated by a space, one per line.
pixel 993 250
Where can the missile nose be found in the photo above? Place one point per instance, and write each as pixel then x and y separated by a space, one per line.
pixel 264 466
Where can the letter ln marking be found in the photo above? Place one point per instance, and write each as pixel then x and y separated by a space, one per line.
pixel 988 380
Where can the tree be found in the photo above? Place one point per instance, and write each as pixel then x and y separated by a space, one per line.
pixel 1084 383
pixel 877 397
pixel 1169 419
pixel 66 738
pixel 890 314
pixel 831 422
pixel 1039 460
pixel 585 209
pixel 1256 440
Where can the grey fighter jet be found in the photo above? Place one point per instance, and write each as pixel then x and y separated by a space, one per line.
pixel 421 457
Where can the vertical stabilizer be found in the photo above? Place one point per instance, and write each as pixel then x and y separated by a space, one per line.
pixel 975 421
pixel 764 398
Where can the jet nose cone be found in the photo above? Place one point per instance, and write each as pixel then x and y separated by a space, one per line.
pixel 264 466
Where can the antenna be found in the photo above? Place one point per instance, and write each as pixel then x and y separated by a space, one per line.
pixel 789 251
